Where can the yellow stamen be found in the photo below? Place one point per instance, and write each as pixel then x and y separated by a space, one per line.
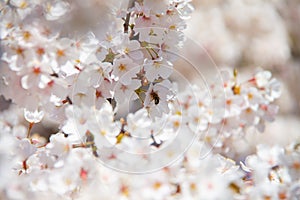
pixel 122 67
pixel 9 25
pixel 26 35
pixel 172 27
pixel 176 124
pixel 193 186
pixel 236 89
pixel 119 138
pixel 126 50
pixel 23 5
pixel 103 132
pixel 157 185
pixel 60 53
pixel 250 96
pixel 109 38
pixel 178 113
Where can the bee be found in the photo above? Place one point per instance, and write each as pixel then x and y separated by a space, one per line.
pixel 155 97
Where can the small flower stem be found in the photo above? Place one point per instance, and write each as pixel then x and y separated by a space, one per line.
pixel 29 129
pixel 156 54
pixel 148 50
pixel 84 145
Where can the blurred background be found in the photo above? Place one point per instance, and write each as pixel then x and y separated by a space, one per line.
pixel 251 34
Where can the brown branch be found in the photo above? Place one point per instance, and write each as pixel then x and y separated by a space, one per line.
pixel 127 19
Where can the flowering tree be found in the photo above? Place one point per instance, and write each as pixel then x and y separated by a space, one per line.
pixel 125 128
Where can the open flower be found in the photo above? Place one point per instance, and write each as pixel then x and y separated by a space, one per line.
pixel 56 9
pixel 155 69
pixel 33 116
pixel 157 98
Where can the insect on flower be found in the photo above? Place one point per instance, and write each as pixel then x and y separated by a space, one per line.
pixel 155 97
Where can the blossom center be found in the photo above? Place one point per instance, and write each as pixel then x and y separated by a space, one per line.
pixel 26 35
pixel 23 5
pixel 36 70
pixel 40 51
pixel 60 53
pixel 122 67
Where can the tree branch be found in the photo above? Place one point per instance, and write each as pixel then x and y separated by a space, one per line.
pixel 127 19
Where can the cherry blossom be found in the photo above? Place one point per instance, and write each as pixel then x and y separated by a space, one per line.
pixel 55 10
pixel 96 114
pixel 156 68
pixel 157 97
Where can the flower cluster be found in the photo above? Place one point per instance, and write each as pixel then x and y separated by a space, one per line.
pixel 66 166
pixel 247 105
pixel 61 169
pixel 51 70
pixel 85 82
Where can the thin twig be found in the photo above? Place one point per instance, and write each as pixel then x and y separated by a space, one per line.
pixel 127 19
pixel 29 129
pixel 84 145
